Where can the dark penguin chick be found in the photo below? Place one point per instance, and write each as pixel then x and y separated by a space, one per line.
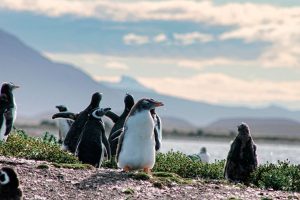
pixel 63 124
pixel 157 129
pixel 9 185
pixel 242 158
pixel 71 140
pixel 136 147
pixel 119 123
pixel 11 112
pixel 93 142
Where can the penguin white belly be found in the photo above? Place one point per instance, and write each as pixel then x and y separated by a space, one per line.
pixel 2 130
pixel 14 111
pixel 63 127
pixel 138 148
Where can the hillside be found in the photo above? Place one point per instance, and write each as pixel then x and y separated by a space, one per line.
pixel 45 83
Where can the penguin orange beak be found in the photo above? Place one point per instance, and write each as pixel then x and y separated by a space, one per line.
pixel 157 104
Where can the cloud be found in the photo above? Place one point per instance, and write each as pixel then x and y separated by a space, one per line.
pixel 221 89
pixel 250 22
pixel 191 38
pixel 134 39
pixel 116 65
pixel 160 38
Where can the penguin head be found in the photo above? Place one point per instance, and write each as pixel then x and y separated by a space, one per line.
pixel 244 130
pixel 203 150
pixel 95 101
pixel 99 112
pixel 62 108
pixel 129 101
pixel 146 104
pixel 8 87
pixel 8 178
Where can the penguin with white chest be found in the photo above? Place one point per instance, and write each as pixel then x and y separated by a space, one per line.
pixel 93 142
pixel 136 148
pixel 9 185
pixel 64 125
pixel 10 113
pixel 157 129
pixel 72 137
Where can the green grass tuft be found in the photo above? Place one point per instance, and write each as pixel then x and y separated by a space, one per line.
pixel 73 166
pixel 43 166
pixel 21 145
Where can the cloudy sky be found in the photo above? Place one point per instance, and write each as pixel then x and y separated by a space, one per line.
pixel 233 52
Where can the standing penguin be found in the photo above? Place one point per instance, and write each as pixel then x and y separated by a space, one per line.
pixel 9 185
pixel 157 129
pixel 242 158
pixel 119 123
pixel 64 125
pixel 10 114
pixel 136 148
pixel 3 108
pixel 93 142
pixel 71 140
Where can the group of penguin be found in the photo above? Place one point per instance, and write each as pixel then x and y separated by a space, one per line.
pixel 134 138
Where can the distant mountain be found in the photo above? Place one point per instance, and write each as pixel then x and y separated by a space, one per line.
pixel 45 83
pixel 125 83
pixel 279 127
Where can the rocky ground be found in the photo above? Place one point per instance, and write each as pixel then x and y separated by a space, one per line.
pixel 61 183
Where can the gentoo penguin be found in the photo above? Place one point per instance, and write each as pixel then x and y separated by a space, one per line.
pixel 71 140
pixel 241 159
pixel 11 112
pixel 9 185
pixel 203 155
pixel 136 147
pixel 119 123
pixel 157 129
pixel 3 107
pixel 93 142
pixel 64 125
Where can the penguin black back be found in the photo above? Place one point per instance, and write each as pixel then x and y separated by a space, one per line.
pixel 119 123
pixel 9 185
pixel 90 149
pixel 242 158
pixel 73 134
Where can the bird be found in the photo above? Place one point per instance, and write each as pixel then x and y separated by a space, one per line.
pixel 9 185
pixel 242 159
pixel 118 123
pixel 157 129
pixel 136 147
pixel 71 140
pixel 203 155
pixel 64 125
pixel 10 113
pixel 93 142
pixel 3 108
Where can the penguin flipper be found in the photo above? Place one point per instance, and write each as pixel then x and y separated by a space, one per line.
pixel 68 115
pixel 9 121
pixel 113 116
pixel 106 144
pixel 157 141
pixel 120 142
pixel 116 134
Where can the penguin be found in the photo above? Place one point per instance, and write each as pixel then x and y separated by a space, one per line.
pixel 9 185
pixel 64 125
pixel 119 123
pixel 71 140
pixel 242 158
pixel 10 114
pixel 203 155
pixel 136 147
pixel 157 129
pixel 93 142
pixel 3 107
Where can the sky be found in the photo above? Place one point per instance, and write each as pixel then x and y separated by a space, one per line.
pixel 229 52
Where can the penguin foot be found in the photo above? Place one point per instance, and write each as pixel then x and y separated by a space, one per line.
pixel 126 168
pixel 147 170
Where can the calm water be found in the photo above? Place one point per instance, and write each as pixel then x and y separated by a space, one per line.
pixel 218 149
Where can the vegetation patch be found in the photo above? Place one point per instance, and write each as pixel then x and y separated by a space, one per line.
pixel 43 166
pixel 21 145
pixel 73 166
